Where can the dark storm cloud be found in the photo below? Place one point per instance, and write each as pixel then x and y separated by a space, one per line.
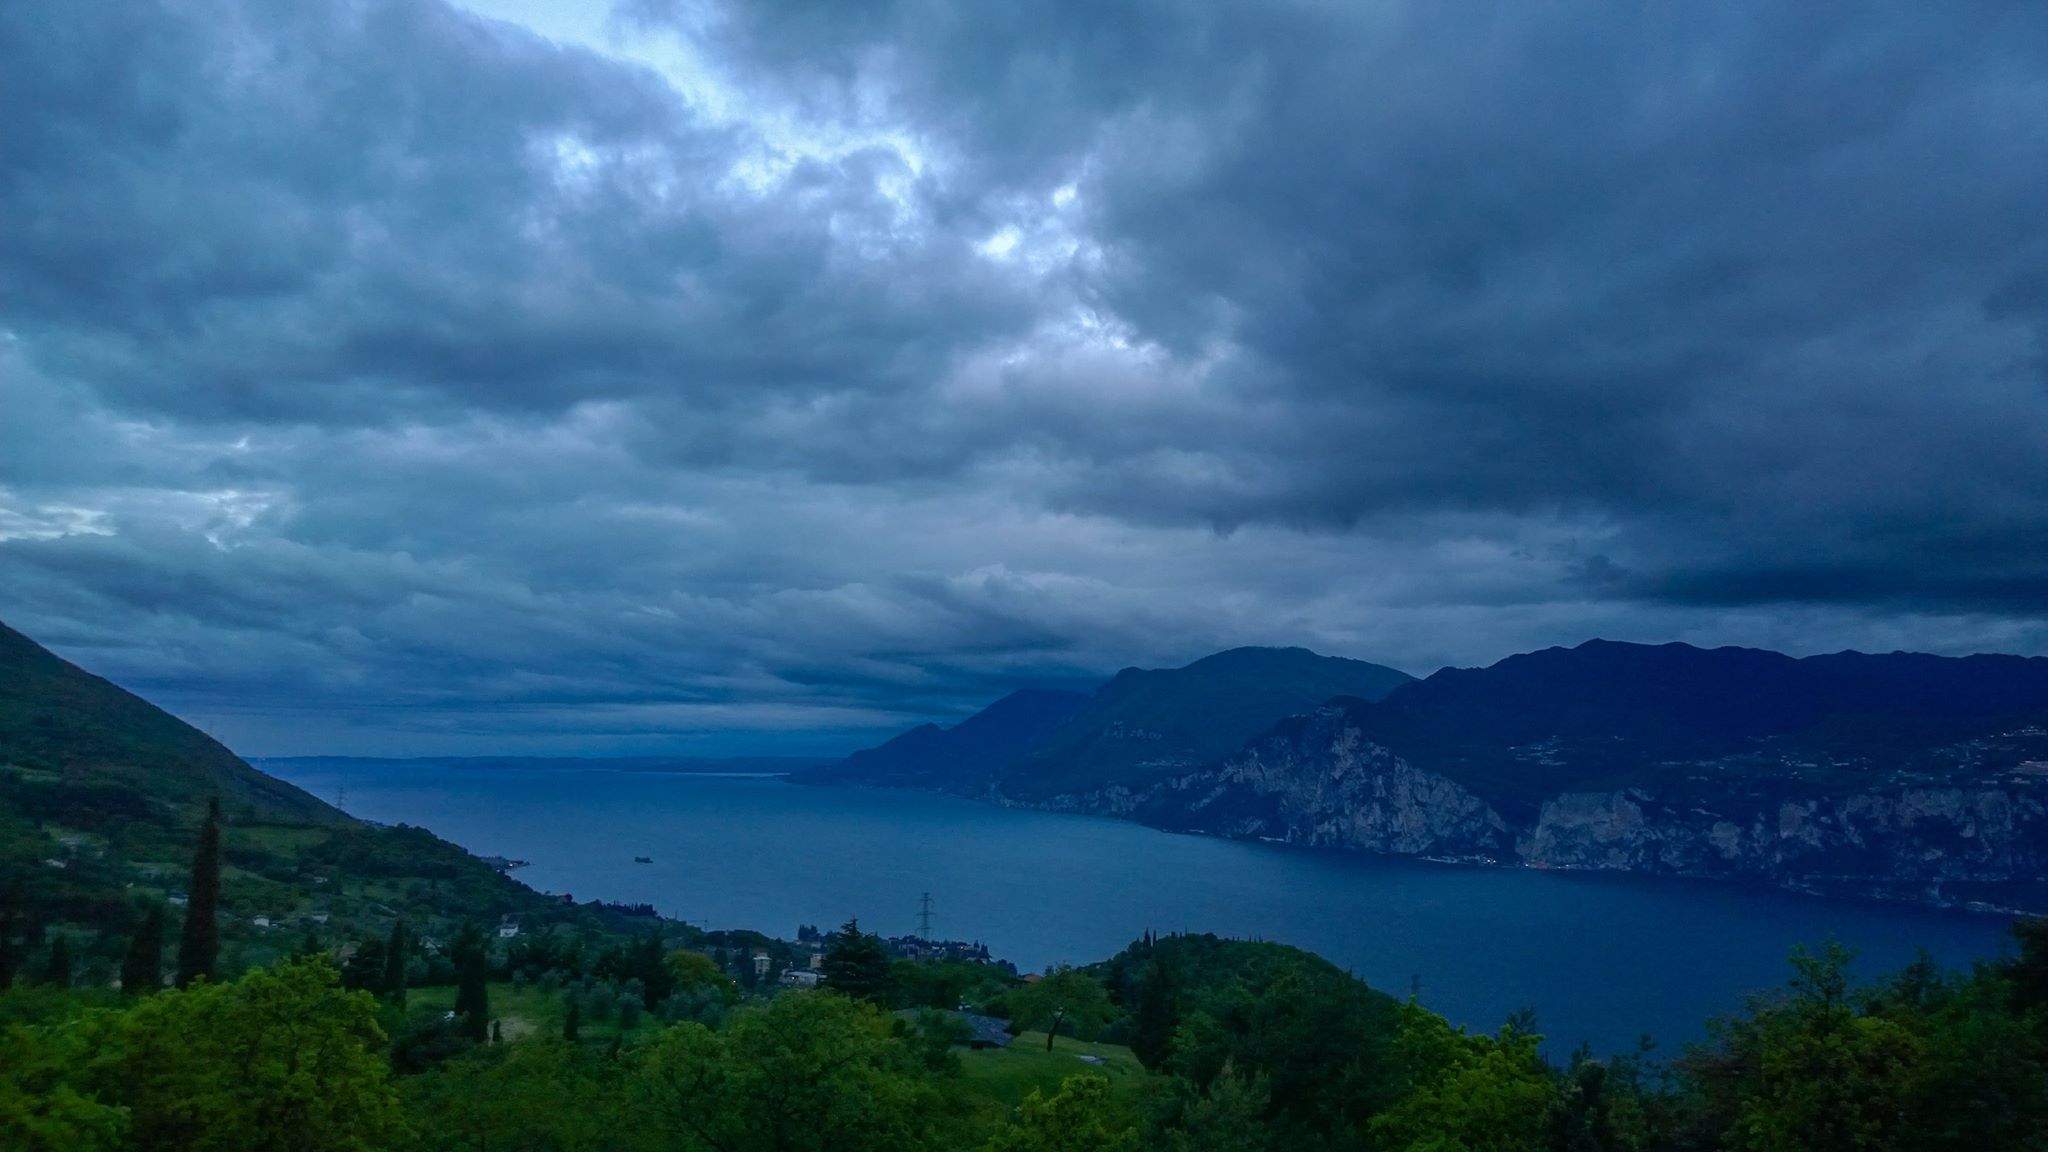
pixel 383 377
pixel 1758 283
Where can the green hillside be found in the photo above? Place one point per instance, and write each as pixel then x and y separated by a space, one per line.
pixel 101 797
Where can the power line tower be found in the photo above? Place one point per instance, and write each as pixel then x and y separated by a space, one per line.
pixel 924 916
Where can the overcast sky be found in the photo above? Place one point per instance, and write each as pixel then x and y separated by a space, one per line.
pixel 398 377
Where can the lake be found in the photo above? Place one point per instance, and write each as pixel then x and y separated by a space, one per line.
pixel 1600 958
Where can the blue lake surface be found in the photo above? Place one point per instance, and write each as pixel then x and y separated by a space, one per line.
pixel 1600 958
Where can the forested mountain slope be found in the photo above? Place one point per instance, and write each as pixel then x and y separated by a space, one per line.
pixel 101 798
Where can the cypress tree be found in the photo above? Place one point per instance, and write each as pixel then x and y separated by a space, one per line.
pixel 58 970
pixel 394 964
pixel 13 924
pixel 199 943
pixel 1158 1015
pixel 572 1020
pixel 472 990
pixel 142 969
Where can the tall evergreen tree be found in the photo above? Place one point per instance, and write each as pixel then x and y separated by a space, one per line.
pixel 199 943
pixel 1157 1015
pixel 13 926
pixel 856 963
pixel 472 988
pixel 650 967
pixel 57 970
pixel 394 964
pixel 572 1020
pixel 142 969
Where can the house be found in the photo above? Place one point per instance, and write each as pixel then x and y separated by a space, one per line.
pixel 261 921
pixel 507 931
pixel 800 978
pixel 761 962
pixel 817 961
pixel 175 899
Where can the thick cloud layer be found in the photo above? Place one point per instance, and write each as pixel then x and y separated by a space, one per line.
pixel 385 376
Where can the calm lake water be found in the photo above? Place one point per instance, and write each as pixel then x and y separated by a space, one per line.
pixel 1603 959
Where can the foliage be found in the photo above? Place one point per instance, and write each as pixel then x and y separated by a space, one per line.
pixel 472 990
pixel 41 1109
pixel 199 941
pixel 1080 1117
pixel 1466 1093
pixel 284 1058
pixel 810 1070
pixel 142 965
pixel 1270 1049
pixel 1065 997
pixel 856 964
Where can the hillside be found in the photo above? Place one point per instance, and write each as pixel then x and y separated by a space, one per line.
pixel 1141 727
pixel 101 795
pixel 60 723
pixel 1605 715
pixel 1899 776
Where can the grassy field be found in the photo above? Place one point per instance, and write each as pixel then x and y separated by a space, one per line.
pixel 1007 1075
pixel 528 1010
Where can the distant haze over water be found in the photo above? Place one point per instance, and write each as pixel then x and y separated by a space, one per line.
pixel 1600 958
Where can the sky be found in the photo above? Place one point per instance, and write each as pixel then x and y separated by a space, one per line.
pixel 398 377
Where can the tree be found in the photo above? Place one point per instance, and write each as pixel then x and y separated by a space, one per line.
pixel 472 987
pixel 648 963
pixel 363 971
pixel 142 966
pixel 394 964
pixel 1828 1078
pixel 1066 995
pixel 1080 1117
pixel 1157 1015
pixel 572 1019
pixel 57 968
pixel 1467 1093
pixel 856 963
pixel 13 926
pixel 283 1058
pixel 199 942
pixel 41 1108
pixel 805 1072
pixel 690 970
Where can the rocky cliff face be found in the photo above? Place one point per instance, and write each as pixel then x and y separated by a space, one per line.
pixel 1938 845
pixel 1318 781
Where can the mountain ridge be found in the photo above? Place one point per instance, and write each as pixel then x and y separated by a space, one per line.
pixel 1139 726
pixel 1901 776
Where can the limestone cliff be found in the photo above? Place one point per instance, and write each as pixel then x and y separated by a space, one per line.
pixel 1318 781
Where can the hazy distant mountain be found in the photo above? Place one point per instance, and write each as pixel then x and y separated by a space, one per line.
pixel 929 756
pixel 1142 726
pixel 701 765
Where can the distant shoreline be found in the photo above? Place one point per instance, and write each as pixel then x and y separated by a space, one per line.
pixel 720 766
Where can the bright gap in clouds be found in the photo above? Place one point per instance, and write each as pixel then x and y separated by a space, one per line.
pixel 783 140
